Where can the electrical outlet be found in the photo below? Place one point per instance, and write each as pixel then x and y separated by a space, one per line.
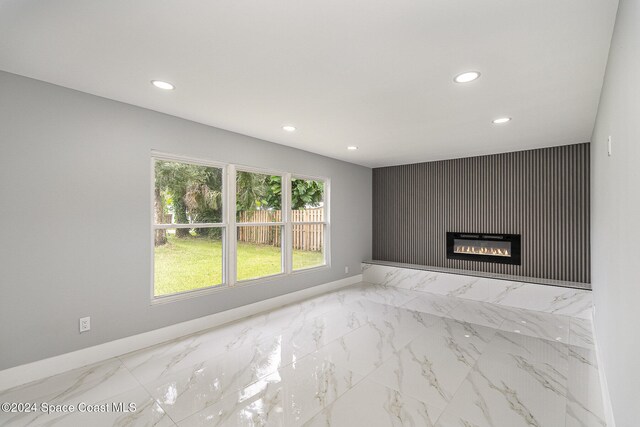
pixel 85 324
pixel 346 269
pixel 609 144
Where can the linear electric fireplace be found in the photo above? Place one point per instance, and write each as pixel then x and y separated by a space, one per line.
pixel 497 248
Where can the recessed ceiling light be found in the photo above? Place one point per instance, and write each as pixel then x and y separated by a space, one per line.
pixel 467 335
pixel 466 77
pixel 162 85
pixel 501 120
pixel 352 148
pixel 517 331
pixel 289 128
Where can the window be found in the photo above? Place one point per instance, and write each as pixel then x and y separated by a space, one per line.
pixel 259 225
pixel 188 228
pixel 308 222
pixel 205 237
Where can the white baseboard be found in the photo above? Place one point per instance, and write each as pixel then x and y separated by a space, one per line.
pixel 604 387
pixel 23 374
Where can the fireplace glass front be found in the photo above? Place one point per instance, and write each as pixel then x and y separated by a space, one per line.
pixel 500 248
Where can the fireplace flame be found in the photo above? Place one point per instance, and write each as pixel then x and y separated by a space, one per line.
pixel 481 251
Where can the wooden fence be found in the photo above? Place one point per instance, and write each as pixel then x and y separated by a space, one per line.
pixel 306 237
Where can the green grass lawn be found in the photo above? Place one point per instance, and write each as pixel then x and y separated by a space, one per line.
pixel 194 263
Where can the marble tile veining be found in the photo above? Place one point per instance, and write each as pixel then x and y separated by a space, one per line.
pixel 147 413
pixel 475 273
pixel 432 366
pixel 432 304
pixel 531 296
pixel 537 324
pixel 489 315
pixel 584 399
pixel 290 396
pixel 581 333
pixel 89 384
pixel 414 349
pixel 510 390
pixel 370 404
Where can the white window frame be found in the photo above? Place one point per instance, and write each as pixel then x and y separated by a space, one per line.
pixel 326 223
pixel 156 299
pixel 230 226
pixel 235 224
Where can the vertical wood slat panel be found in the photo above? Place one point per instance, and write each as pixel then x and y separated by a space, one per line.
pixel 543 195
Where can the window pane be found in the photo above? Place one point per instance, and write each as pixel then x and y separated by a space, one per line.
pixel 307 200
pixel 185 263
pixel 258 197
pixel 259 251
pixel 308 245
pixel 187 194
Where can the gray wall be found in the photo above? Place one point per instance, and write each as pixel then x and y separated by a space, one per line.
pixel 541 194
pixel 615 217
pixel 75 209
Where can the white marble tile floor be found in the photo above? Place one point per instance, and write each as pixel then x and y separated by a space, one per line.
pixel 365 355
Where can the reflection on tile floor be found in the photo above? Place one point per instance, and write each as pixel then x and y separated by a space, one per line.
pixel 366 355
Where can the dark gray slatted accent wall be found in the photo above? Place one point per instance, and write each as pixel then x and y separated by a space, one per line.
pixel 541 194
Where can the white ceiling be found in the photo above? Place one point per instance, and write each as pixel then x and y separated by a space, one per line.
pixel 376 74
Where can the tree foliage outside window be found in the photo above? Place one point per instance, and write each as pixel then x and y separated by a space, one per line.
pixel 306 193
pixel 257 192
pixel 193 194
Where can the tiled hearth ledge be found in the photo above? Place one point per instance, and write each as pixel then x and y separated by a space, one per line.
pixel 503 290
